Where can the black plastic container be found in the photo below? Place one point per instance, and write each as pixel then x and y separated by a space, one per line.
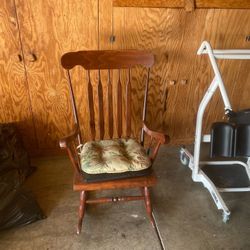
pixel 242 140
pixel 240 117
pixel 222 140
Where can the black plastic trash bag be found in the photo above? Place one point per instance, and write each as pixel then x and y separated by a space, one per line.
pixel 17 207
pixel 12 152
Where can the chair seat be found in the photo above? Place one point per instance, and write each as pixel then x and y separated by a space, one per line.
pixel 80 183
pixel 113 156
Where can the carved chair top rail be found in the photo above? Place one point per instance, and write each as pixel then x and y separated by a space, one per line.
pixel 107 59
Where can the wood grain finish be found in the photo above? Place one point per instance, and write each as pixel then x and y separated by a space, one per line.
pixel 174 37
pixel 91 108
pixel 119 106
pixel 81 211
pixel 149 3
pixel 80 184
pixel 48 29
pixel 187 4
pixel 128 105
pixel 110 106
pixel 106 29
pixel 223 4
pixel 73 103
pixel 140 182
pixel 107 59
pixel 15 104
pixel 114 199
pixel 148 206
pixel 100 108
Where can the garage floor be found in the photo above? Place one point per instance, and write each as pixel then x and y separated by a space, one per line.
pixel 185 213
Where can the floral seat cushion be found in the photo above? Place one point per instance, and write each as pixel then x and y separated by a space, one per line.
pixel 113 156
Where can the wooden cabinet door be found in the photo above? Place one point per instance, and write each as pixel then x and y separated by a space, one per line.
pixel 48 29
pixel 14 92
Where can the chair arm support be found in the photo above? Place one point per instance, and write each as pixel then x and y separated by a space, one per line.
pixel 65 141
pixel 69 143
pixel 159 136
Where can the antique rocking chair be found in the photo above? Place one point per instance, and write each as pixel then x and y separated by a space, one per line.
pixel 120 163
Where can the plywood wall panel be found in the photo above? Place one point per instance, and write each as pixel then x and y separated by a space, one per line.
pixel 149 3
pixel 49 29
pixel 105 24
pixel 126 38
pixel 223 4
pixel 14 94
pixel 189 5
pixel 175 36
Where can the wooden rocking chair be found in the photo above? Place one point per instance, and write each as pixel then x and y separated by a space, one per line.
pixel 93 167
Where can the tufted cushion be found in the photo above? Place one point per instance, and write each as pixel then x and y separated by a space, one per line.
pixel 113 156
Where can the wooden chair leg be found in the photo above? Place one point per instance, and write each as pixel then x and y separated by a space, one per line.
pixel 148 206
pixel 81 210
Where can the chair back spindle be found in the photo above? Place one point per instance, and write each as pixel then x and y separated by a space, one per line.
pixel 110 105
pixel 100 103
pixel 119 105
pixel 128 104
pixel 91 108
pixel 145 105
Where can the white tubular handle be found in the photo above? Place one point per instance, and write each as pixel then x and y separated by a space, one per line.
pixel 205 48
pixel 232 51
pixel 241 54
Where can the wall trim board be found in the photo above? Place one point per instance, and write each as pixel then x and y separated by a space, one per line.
pixel 220 4
pixel 149 3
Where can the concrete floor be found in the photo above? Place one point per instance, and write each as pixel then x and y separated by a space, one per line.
pixel 185 213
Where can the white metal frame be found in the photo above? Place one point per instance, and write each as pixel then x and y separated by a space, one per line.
pixel 193 161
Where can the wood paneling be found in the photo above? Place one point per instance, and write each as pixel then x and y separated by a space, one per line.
pixel 14 94
pixel 223 4
pixel 178 81
pixel 174 36
pixel 49 29
pixel 187 4
pixel 149 3
pixel 105 24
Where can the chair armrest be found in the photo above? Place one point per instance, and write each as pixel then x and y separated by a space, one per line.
pixel 65 141
pixel 159 136
pixel 69 143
